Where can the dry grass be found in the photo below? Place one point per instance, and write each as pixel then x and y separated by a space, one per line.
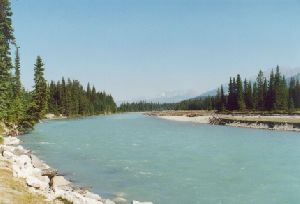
pixel 15 191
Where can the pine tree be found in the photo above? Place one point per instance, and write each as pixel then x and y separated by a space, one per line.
pixel 281 91
pixel 40 94
pixel 17 79
pixel 260 91
pixel 265 93
pixel 297 95
pixel 230 95
pixel 254 97
pixel 240 95
pixel 292 90
pixel 17 106
pixel 248 94
pixel 223 99
pixel 6 39
pixel 270 103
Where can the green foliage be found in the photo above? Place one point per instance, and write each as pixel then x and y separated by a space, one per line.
pixel 6 40
pixel 1 140
pixel 71 99
pixel 202 103
pixel 262 95
pixel 145 106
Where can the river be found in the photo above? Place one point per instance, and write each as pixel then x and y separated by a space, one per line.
pixel 150 159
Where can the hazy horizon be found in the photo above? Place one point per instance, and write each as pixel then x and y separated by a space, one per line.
pixel 135 49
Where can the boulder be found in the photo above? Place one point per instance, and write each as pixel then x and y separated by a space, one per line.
pixel 41 182
pixel 19 150
pixel 8 154
pixel 92 196
pixel 37 163
pixel 138 202
pixel 107 201
pixel 120 200
pixel 11 141
pixel 59 181
pixel 22 167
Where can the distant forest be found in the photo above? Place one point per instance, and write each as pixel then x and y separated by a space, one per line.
pixel 145 106
pixel 71 99
pixel 274 93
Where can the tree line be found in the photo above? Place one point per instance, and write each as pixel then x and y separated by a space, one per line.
pixel 145 106
pixel 21 109
pixel 69 98
pixel 272 93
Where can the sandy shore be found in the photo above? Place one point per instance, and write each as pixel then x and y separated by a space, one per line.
pixel 196 119
pixel 272 122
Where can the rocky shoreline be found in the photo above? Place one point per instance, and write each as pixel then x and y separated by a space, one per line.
pixel 44 180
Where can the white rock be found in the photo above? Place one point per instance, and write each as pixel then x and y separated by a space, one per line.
pixel 41 182
pixel 22 167
pixel 8 155
pixel 59 181
pixel 11 141
pixel 92 195
pixel 138 202
pixel 19 150
pixel 119 200
pixel 9 148
pixel 37 163
pixel 107 201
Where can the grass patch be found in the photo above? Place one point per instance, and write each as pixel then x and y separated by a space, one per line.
pixel 1 129
pixel 64 201
pixel 1 140
pixel 15 190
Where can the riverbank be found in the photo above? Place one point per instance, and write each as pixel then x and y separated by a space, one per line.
pixel 20 169
pixel 281 122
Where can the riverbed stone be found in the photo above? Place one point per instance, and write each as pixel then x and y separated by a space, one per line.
pixel 11 141
pixel 41 182
pixel 138 202
pixel 8 155
pixel 92 195
pixel 37 163
pixel 59 181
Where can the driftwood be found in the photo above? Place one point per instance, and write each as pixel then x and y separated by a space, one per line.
pixel 49 172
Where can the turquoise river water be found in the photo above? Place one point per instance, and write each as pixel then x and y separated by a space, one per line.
pixel 166 162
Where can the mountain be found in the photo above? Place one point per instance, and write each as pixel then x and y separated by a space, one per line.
pixel 166 97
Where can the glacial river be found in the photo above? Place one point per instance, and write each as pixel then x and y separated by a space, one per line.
pixel 149 159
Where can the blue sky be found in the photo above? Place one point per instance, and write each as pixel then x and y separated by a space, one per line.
pixel 142 48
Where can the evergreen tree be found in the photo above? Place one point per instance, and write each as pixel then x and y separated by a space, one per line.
pixel 270 103
pixel 6 39
pixel 223 99
pixel 260 91
pixel 240 95
pixel 40 93
pixel 281 91
pixel 248 94
pixel 254 96
pixel 17 78
pixel 230 102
